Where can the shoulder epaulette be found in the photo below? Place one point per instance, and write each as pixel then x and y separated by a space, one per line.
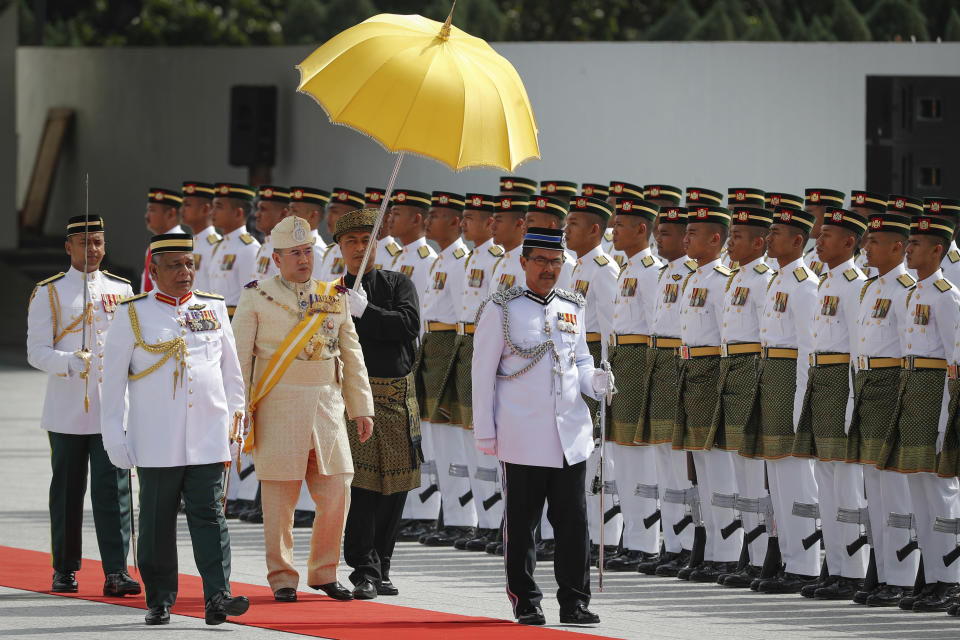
pixel 866 286
pixel 906 280
pixel 132 298
pixel 691 264
pixel 954 255
pixel 251 285
pixel 459 253
pixel 207 294
pixel 943 285
pixel 575 298
pixel 800 274
pixel 246 238
pixel 851 274
pixel 393 249
pixel 761 268
pixel 51 279
pixel 423 251
pixel 213 239
pixel 502 297
pixel 647 261
pixel 723 270
pixel 113 276
pixel 602 260
pixel 495 251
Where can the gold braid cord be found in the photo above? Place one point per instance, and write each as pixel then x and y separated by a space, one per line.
pixel 86 317
pixel 176 348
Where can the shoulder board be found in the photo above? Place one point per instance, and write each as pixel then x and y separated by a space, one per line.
pixel 206 294
pixel 459 253
pixel 393 249
pixel 505 296
pixel 213 239
pixel 954 255
pixel 866 286
pixel 51 279
pixel 943 285
pixel 423 251
pixel 723 270
pixel 906 280
pixel 132 298
pixel 800 274
pixel 495 251
pixel 691 264
pixel 246 238
pixel 602 260
pixel 608 235
pixel 647 261
pixel 575 298
pixel 851 274
pixel 251 285
pixel 761 268
pixel 113 277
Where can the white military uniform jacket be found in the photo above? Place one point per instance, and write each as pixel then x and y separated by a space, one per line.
pixel 666 314
pixel 595 278
pixel 702 304
pixel 507 271
pixel 445 289
pixel 386 253
pixel 414 261
pixel 319 247
pixel 607 243
pixel 332 265
pixel 182 412
pixel 478 271
pixel 263 266
pixel 813 262
pixel 950 265
pixel 54 328
pixel 231 264
pixel 204 244
pixel 145 275
pixel 881 314
pixel 743 303
pixel 636 294
pixel 538 417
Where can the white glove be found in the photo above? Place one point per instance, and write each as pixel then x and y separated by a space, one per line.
pixel 235 451
pixel 603 384
pixel 121 456
pixel 941 436
pixel 358 302
pixel 79 363
pixel 487 446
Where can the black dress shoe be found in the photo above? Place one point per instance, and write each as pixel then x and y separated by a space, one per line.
pixel 671 567
pixel 823 581
pixel 842 589
pixel 220 605
pixel 709 572
pixel 954 609
pixel 787 583
pixel 481 540
pixel 387 588
pixel 495 548
pixel 685 572
pixel 887 595
pixel 285 594
pixel 64 582
pixel 743 578
pixel 938 599
pixel 253 516
pixel 234 508
pixel 365 590
pixel 531 615
pixel 303 519
pixel 629 560
pixel 649 567
pixel 610 551
pixel 907 601
pixel 546 549
pixel 157 615
pixel 335 590
pixel 119 584
pixel 447 536
pixel 578 615
pixel 860 597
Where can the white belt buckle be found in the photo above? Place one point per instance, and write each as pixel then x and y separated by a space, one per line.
pixel 724 350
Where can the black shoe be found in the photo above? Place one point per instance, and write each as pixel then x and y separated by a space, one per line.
pixel 447 536
pixel 387 588
pixel 253 516
pixel 887 595
pixel 672 567
pixel 741 579
pixel 64 582
pixel 365 590
pixel 787 583
pixel 285 594
pixel 157 615
pixel 531 615
pixel 303 519
pixel 578 615
pixel 495 548
pixel 860 597
pixel 546 549
pixel 119 584
pixel 230 509
pixel 823 581
pixel 685 572
pixel 335 590
pixel 907 601
pixel 610 552
pixel 939 598
pixel 414 529
pixel 629 560
pixel 649 567
pixel 842 589
pixel 220 605
pixel 954 610
pixel 480 541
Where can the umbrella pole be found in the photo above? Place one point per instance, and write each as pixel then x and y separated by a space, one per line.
pixel 376 227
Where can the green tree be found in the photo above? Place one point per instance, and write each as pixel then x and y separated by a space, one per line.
pixel 848 23
pixel 714 25
pixel 675 24
pixel 952 30
pixel 798 29
pixel 765 29
pixel 481 18
pixel 820 30
pixel 897 20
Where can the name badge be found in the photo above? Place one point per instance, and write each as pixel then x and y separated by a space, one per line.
pixel 110 301
pixel 780 302
pixel 740 296
pixel 922 314
pixel 567 322
pixel 202 320
pixel 475 279
pixel 698 297
pixel 670 293
pixel 629 288
pixel 337 267
pixel 829 306
pixel 439 280
pixel 506 281
pixel 581 287
pixel 227 263
pixel 880 308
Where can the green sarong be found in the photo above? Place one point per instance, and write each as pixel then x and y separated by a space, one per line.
pixel 820 431
pixel 659 410
pixel 949 465
pixel 738 390
pixel 463 383
pixel 910 445
pixel 627 362
pixel 769 433
pixel 697 398
pixel 438 351
pixel 874 402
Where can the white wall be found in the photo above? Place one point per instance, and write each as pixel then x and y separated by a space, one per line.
pixel 775 116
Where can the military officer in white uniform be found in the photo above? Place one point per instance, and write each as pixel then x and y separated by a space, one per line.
pixel 517 186
pixel 162 216
pixel 815 201
pixel 742 197
pixel 867 204
pixel 531 365
pixel 233 258
pixel 946 208
pixel 387 248
pixel 196 212
pixel 309 203
pixel 173 353
pixel 508 227
pixel 551 212
pixel 611 192
pixel 341 201
pixel 57 324
pixel 273 205
pixel 408 212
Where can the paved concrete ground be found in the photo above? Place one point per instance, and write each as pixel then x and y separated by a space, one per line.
pixel 632 606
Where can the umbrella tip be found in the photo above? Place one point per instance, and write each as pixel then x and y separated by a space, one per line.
pixel 445 29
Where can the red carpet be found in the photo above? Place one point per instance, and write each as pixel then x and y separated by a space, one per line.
pixel 314 615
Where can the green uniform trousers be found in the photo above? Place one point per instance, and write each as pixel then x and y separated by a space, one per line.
pixel 70 455
pixel 202 489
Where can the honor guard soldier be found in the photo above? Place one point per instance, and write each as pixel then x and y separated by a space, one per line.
pixel 828 405
pixel 517 186
pixel 664 195
pixel 273 205
pixel 916 435
pixel 386 314
pixel 302 362
pixel 742 197
pixel 551 213
pixel 816 201
pixel 234 258
pixel 658 402
pixel 615 190
pixel 602 192
pixel 162 216
pixel 437 374
pixel 595 278
pixel 881 319
pixel 947 208
pixel 196 212
pixel 867 204
pixel 530 340
pixel 59 325
pixel 908 206
pixel 408 212
pixel 743 299
pixel 558 188
pixel 634 466
pixel 477 228
pixel 508 227
pixel 171 355
pixel 341 201
pixel 785 337
pixel 387 248
pixel 309 203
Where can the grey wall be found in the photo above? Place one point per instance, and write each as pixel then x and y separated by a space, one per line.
pixel 776 116
pixel 8 126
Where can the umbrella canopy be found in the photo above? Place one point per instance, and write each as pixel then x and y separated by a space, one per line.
pixel 420 86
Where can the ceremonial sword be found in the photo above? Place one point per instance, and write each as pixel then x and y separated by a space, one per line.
pixel 607 394
pixel 86 295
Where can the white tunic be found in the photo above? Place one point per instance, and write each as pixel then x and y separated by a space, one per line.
pixel 702 304
pixel 881 313
pixel 636 294
pixel 666 313
pixel 386 254
pixel 414 261
pixel 743 303
pixel 231 264
pixel 478 271
pixel 445 288
pixel 204 244
pixel 263 265
pixel 595 278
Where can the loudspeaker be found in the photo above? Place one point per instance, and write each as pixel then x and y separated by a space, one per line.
pixel 253 125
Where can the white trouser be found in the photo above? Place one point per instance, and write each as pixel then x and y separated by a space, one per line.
pixel 415 508
pixel 484 484
pixel 611 530
pixel 792 480
pixel 715 475
pixel 454 475
pixel 887 492
pixel 672 474
pixel 749 473
pixel 634 466
pixel 935 497
pixel 840 485
pixel 246 488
